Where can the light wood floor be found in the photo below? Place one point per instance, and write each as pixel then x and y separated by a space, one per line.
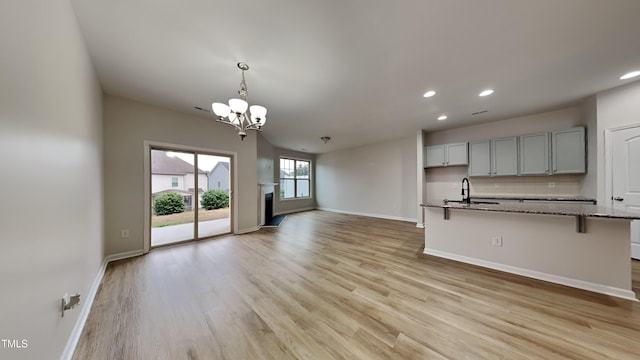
pixel 334 286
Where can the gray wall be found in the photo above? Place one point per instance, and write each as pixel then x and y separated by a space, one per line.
pixel 269 172
pixel 376 180
pixel 266 162
pixel 127 125
pixel 50 124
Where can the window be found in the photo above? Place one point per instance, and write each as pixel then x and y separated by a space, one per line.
pixel 295 178
pixel 174 181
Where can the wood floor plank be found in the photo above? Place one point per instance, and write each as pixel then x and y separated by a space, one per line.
pixel 334 286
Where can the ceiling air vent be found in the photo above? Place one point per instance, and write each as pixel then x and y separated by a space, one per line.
pixel 479 112
pixel 201 109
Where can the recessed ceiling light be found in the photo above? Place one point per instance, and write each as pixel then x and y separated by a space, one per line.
pixel 628 75
pixel 486 92
pixel 429 93
pixel 442 117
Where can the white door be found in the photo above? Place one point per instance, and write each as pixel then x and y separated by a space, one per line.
pixel 626 178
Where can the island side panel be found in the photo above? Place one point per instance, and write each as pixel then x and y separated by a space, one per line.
pixel 546 247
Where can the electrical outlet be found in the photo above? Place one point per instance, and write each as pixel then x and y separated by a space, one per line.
pixel 124 233
pixel 552 184
pixel 496 241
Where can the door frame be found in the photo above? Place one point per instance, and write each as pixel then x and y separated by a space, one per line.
pixel 148 145
pixel 608 183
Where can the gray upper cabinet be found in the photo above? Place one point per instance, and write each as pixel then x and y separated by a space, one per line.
pixel 480 158
pixel 456 154
pixel 445 155
pixel 559 152
pixel 497 157
pixel 434 156
pixel 568 151
pixel 504 156
pixel 534 154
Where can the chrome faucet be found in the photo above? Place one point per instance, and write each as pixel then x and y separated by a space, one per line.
pixel 466 195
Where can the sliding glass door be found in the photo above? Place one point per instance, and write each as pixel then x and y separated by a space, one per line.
pixel 190 195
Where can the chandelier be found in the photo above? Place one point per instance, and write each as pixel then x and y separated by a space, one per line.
pixel 236 114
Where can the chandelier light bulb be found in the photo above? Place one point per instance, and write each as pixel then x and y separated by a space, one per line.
pixel 238 106
pixel 257 113
pixel 220 109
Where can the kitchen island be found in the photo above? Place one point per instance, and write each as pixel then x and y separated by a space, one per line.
pixel 580 245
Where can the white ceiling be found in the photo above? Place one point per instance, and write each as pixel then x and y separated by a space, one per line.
pixel 356 70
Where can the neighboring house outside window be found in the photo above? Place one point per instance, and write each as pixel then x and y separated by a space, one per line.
pixel 174 182
pixel 295 178
pixel 220 176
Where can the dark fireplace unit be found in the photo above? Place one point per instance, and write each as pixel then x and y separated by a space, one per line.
pixel 268 207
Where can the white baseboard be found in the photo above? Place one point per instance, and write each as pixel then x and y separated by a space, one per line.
pixel 585 285
pixel 70 348
pixel 635 251
pixel 72 342
pixel 124 255
pixel 248 230
pixel 420 226
pixel 380 216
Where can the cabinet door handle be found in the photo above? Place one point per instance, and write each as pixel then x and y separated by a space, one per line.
pixel 618 198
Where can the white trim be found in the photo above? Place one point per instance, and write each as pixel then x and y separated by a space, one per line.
pixel 147 183
pixel 608 184
pixel 291 211
pixel 380 216
pixel 608 161
pixel 420 179
pixel 635 252
pixel 124 255
pixel 72 342
pixel 585 285
pixel 248 230
pixel 312 180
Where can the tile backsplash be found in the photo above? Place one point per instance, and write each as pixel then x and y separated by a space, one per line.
pixel 445 183
pixel 560 185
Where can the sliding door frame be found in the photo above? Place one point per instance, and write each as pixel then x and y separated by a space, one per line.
pixel 156 145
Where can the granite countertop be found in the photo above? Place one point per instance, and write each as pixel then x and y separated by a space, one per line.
pixel 588 210
pixel 536 197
